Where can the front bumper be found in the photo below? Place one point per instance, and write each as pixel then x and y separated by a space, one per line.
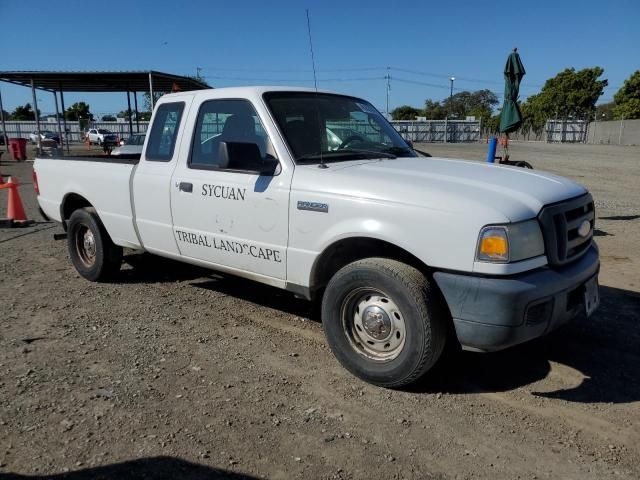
pixel 491 313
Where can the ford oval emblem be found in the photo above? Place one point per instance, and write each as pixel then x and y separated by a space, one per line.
pixel 584 229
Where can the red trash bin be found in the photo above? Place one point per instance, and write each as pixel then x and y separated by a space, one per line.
pixel 18 148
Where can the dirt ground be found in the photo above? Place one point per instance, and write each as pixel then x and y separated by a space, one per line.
pixel 175 372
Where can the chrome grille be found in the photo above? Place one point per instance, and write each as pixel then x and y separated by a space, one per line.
pixel 560 224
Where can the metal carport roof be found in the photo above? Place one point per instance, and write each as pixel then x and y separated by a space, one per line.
pixel 106 81
pixel 134 81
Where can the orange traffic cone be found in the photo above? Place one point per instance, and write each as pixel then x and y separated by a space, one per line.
pixel 15 210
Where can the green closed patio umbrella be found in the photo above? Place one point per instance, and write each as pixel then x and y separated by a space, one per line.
pixel 511 117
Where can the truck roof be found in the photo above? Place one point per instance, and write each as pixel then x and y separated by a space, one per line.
pixel 244 91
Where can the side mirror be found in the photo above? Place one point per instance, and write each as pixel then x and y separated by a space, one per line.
pixel 245 157
pixel 269 166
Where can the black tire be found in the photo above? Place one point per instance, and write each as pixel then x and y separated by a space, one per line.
pixel 523 164
pixel 374 282
pixel 92 252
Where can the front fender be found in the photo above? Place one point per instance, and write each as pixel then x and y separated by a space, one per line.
pixel 437 238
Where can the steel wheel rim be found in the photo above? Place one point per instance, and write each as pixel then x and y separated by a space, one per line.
pixel 373 324
pixel 85 242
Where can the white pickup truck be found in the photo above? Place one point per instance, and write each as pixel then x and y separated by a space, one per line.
pixel 405 252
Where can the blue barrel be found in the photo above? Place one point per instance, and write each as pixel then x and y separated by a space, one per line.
pixel 491 154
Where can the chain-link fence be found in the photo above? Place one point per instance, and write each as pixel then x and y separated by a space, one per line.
pixel 75 129
pixel 566 131
pixel 439 131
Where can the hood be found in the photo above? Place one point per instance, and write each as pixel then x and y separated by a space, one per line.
pixel 456 186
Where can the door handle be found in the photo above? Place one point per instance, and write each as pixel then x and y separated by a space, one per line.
pixel 185 187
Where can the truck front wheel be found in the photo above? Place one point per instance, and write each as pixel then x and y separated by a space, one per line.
pixel 383 321
pixel 92 252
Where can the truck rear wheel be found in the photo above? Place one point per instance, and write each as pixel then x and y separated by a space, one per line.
pixel 383 321
pixel 92 252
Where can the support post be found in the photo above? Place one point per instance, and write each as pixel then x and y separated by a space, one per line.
pixel 621 130
pixel 35 111
pixel 4 127
pixel 151 90
pixel 130 113
pixel 55 99
pixel 64 118
pixel 135 103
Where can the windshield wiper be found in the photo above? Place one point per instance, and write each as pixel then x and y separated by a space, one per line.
pixel 398 150
pixel 345 154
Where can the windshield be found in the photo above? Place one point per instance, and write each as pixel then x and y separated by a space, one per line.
pixel 334 127
pixel 102 130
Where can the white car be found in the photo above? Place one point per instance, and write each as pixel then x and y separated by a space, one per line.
pixel 43 135
pixel 132 145
pixel 101 135
pixel 405 253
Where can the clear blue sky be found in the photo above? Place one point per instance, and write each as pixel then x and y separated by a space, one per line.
pixel 265 42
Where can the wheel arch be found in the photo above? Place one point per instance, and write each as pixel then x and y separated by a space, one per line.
pixel 346 250
pixel 70 203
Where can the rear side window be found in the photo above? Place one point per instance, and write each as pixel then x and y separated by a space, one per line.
pixel 162 139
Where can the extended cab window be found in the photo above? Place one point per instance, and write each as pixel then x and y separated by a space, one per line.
pixel 162 139
pixel 233 122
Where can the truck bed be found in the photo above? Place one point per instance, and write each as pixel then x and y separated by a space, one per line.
pixel 129 158
pixel 103 181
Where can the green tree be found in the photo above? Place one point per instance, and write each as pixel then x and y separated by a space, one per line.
pixel 492 124
pixel 604 111
pixel 405 112
pixel 78 110
pixel 570 94
pixel 126 114
pixel 479 104
pixel 108 118
pixel 434 110
pixel 24 112
pixel 534 117
pixel 628 98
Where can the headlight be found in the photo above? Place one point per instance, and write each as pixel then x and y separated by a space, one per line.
pixel 510 243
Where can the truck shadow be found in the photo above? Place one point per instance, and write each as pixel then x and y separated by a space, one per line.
pixel 152 468
pixel 621 217
pixel 262 295
pixel 147 268
pixel 593 360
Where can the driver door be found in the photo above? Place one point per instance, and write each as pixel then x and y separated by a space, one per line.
pixel 227 214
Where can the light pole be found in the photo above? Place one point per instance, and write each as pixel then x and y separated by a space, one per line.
pixel 387 77
pixel 450 115
pixel 451 79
